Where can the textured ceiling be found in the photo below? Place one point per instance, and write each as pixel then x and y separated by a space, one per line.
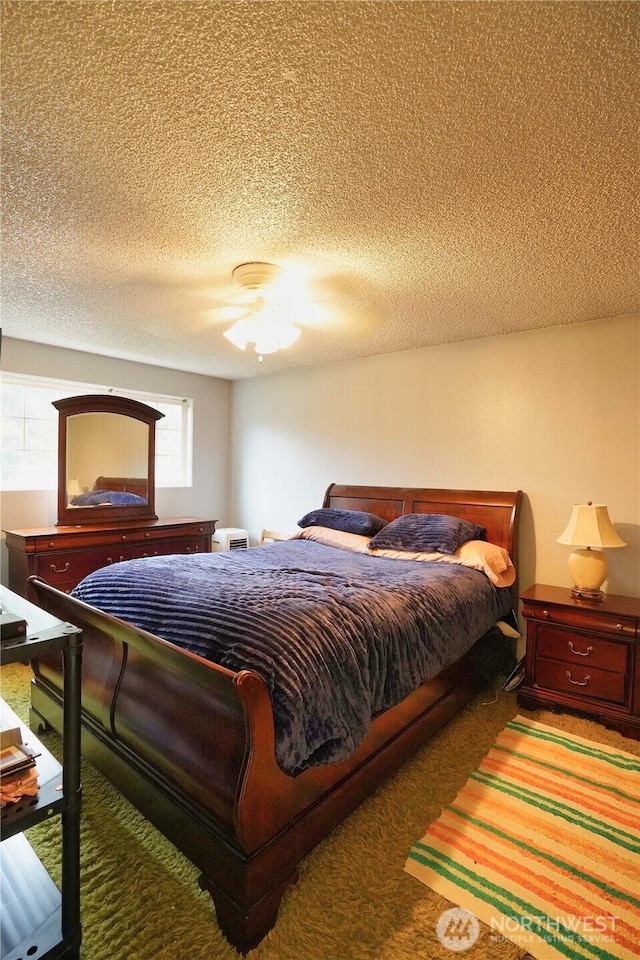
pixel 439 171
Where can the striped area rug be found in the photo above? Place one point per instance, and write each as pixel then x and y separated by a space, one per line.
pixel 542 844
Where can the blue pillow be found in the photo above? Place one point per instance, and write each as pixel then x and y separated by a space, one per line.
pixel 427 533
pixel 348 521
pixel 96 498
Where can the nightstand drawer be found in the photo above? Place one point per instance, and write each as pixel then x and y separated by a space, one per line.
pixel 559 643
pixel 580 680
pixel 588 619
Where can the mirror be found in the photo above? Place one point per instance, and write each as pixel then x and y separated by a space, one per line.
pixel 106 459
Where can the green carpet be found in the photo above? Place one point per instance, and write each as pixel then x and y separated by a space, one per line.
pixel 353 901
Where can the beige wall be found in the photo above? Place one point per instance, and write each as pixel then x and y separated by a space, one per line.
pixel 554 412
pixel 208 497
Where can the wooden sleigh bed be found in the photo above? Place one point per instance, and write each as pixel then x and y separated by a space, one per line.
pixel 149 709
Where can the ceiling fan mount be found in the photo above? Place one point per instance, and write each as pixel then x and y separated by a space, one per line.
pixel 255 274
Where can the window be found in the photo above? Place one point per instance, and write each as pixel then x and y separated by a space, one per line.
pixel 29 431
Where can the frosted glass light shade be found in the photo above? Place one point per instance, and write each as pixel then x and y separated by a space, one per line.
pixel 264 330
pixel 589 526
pixel 238 334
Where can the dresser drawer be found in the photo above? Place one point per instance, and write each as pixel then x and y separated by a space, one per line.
pixel 70 567
pixel 162 548
pixel 588 619
pixel 187 532
pixel 581 680
pixel 560 643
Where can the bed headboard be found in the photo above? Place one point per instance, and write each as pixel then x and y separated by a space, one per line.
pixel 497 511
pixel 137 485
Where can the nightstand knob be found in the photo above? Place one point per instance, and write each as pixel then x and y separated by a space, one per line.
pixel 618 626
pixel 580 653
pixel 545 613
pixel 578 683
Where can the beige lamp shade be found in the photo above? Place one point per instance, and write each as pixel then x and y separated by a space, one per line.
pixel 589 526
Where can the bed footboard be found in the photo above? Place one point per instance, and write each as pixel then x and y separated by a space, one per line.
pixel 192 745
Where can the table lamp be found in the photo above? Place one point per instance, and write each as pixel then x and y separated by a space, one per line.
pixel 589 526
pixel 73 488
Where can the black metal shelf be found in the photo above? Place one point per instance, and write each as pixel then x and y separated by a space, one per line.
pixel 40 922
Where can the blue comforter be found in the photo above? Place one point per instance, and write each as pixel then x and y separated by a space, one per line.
pixel 337 636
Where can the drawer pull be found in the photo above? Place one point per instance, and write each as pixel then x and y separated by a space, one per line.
pixel 147 535
pixel 580 653
pixel 111 560
pixel 123 537
pixel 545 613
pixel 62 570
pixel 619 626
pixel 578 683
pixel 187 549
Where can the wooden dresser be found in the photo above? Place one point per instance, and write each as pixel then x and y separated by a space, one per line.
pixel 583 656
pixel 63 555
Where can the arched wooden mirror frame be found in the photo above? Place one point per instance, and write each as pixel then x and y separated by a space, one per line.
pixel 122 407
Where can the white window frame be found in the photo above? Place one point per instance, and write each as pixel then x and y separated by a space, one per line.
pixel 69 388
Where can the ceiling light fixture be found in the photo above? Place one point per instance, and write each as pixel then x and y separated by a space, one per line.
pixel 264 321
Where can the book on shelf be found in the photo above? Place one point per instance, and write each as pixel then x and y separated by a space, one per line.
pixel 15 756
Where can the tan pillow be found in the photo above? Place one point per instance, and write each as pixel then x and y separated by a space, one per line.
pixel 334 538
pixel 492 560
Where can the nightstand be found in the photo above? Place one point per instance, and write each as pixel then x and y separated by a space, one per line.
pixel 583 656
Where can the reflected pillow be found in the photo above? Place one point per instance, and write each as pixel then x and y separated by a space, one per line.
pixel 334 538
pixel 100 498
pixel 425 532
pixel 349 521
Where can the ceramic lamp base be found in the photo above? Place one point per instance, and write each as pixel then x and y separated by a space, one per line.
pixel 588 570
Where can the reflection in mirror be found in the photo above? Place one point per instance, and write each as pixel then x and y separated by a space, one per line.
pixel 101 447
